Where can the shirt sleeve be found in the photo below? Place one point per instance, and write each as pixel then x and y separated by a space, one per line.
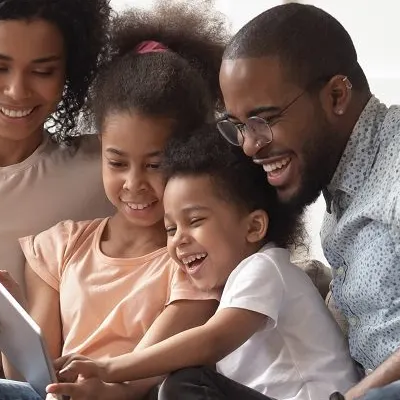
pixel 47 252
pixel 256 285
pixel 183 289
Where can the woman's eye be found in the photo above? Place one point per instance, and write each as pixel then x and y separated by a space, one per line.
pixel 43 72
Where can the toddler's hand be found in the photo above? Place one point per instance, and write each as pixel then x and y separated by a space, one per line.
pixel 72 366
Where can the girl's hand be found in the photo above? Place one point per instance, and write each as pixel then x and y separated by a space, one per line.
pixel 73 366
pixel 13 287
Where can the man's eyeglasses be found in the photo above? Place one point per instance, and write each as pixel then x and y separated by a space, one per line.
pixel 260 128
pixel 257 127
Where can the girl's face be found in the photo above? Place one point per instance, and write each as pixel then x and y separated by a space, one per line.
pixel 32 76
pixel 132 145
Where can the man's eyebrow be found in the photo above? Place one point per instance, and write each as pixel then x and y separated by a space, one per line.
pixel 262 109
pixel 252 113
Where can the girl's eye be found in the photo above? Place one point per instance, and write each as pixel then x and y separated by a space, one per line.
pixel 116 164
pixel 153 166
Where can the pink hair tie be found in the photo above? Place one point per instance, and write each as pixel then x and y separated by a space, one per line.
pixel 150 46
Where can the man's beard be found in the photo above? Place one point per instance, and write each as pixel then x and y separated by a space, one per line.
pixel 320 155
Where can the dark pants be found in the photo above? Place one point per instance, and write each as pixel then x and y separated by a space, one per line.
pixel 389 392
pixel 201 383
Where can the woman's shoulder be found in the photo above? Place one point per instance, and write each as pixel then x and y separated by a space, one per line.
pixel 83 153
pixel 87 145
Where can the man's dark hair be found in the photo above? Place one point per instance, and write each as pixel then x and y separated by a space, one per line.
pixel 180 83
pixel 84 26
pixel 236 178
pixel 311 44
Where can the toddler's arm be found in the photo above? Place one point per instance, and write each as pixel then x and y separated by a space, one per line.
pixel 204 345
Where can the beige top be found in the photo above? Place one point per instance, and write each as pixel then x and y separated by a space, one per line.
pixel 54 184
pixel 106 304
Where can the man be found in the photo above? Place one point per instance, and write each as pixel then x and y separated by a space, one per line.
pixel 299 103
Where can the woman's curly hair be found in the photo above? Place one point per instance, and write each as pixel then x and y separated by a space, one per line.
pixel 84 26
pixel 181 83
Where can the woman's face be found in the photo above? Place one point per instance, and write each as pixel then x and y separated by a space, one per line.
pixel 32 76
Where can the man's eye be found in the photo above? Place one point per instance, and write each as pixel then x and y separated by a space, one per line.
pixel 241 127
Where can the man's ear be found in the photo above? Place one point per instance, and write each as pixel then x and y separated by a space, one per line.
pixel 257 226
pixel 337 96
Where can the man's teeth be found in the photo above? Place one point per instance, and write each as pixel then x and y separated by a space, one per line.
pixel 194 257
pixel 276 165
pixel 16 113
pixel 135 206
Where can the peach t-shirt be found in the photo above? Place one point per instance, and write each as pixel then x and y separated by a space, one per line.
pixel 55 183
pixel 106 304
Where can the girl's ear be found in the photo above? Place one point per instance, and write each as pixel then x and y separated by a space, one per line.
pixel 257 226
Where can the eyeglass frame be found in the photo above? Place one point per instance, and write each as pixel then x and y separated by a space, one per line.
pixel 243 128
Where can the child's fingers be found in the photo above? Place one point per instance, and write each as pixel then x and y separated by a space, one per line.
pixel 63 361
pixel 66 389
pixel 87 369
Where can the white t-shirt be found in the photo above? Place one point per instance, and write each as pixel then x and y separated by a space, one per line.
pixel 55 183
pixel 300 354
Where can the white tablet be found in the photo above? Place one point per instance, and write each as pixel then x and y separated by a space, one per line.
pixel 22 343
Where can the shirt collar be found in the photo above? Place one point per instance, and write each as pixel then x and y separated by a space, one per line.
pixel 360 152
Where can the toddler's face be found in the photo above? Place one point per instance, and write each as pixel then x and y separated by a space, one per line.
pixel 207 236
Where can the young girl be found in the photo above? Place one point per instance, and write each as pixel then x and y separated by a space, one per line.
pixel 107 286
pixel 50 52
pixel 272 334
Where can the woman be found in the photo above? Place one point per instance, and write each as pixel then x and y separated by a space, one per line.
pixel 49 53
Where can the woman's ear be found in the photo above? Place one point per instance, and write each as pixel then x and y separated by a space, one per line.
pixel 257 226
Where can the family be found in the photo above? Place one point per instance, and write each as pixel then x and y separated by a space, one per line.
pixel 154 248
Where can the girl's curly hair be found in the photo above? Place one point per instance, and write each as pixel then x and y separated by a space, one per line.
pixel 84 26
pixel 181 83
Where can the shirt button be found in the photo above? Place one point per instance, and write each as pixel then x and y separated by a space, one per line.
pixel 340 271
pixel 369 371
pixel 353 321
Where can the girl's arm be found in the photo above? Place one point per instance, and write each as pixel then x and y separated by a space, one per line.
pixel 43 304
pixel 15 290
pixel 44 308
pixel 204 345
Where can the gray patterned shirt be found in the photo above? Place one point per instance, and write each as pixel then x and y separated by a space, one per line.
pixel 361 234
